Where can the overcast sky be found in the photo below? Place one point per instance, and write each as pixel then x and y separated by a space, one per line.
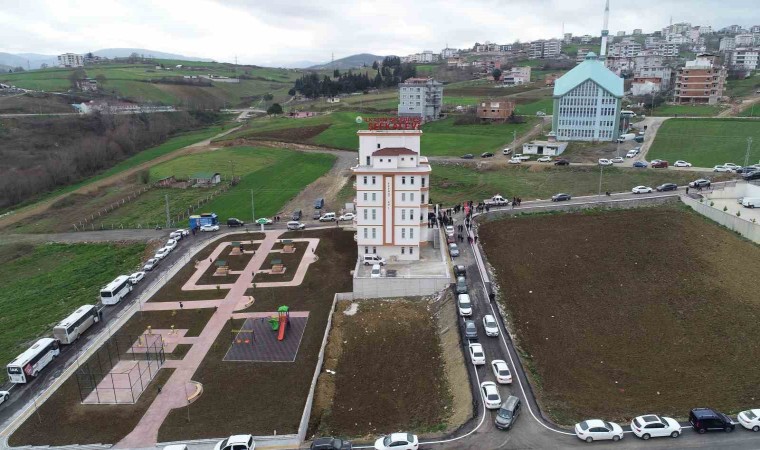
pixel 274 32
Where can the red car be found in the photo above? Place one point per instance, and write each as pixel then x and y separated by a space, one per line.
pixel 660 165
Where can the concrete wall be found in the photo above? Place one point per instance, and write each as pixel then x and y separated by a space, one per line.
pixel 734 191
pixel 741 225
pixel 399 287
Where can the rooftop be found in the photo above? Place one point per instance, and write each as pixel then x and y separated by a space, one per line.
pixel 590 69
pixel 393 151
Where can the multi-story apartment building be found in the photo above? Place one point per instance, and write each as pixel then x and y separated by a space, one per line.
pixel 516 76
pixel 744 58
pixel 620 64
pixel 70 60
pixel 705 29
pixel 700 81
pixel 543 49
pixel 662 73
pixel 727 43
pixel 420 97
pixel 637 31
pixel 648 58
pixel 677 39
pixel 652 42
pixel 626 49
pixel 621 33
pixel 392 190
pixel 567 38
pixel 694 35
pixel 755 29
pixel 586 38
pixel 494 109
pixel 744 40
pixel 449 52
pixel 587 103
pixel 668 50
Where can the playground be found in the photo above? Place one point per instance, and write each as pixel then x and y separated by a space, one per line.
pixel 243 346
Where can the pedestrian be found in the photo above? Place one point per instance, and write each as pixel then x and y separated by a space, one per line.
pixel 159 388
pixel 687 190
pixel 476 238
pixel 181 305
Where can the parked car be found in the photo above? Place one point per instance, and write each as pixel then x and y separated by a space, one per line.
pixel 731 166
pixel 266 220
pixel 296 225
pixel 561 162
pixel 184 231
pixel 4 396
pixel 501 371
pixel 486 155
pixel 490 392
pixel 660 164
pixel 747 169
pixel 750 419
pixel 449 230
pixel 398 441
pixel 453 250
pixel 721 168
pixel 706 419
pixel 171 244
pixel 176 235
pixel 233 222
pixel 464 305
pixel 347 217
pixel 470 330
pixel 316 215
pixel 667 187
pixel 631 154
pixel 617 160
pixel 514 161
pixel 450 239
pixel 490 325
pixel 209 227
pixel 561 197
pixel 751 176
pixel 375 272
pixel 161 253
pixel 641 190
pixel 468 156
pixel 522 157
pixel 373 259
pixel 506 151
pixel 237 442
pixel 460 271
pixel 640 164
pixel 319 203
pixel 477 356
pixel 297 214
pixel 330 443
pixel 651 425
pixel 150 264
pixel 327 217
pixel 508 413
pixel 681 163
pixel 544 159
pixel 605 162
pixel 136 277
pixel 701 182
pixel 461 285
pixel 598 430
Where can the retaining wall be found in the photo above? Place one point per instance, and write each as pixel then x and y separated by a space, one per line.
pixel 741 225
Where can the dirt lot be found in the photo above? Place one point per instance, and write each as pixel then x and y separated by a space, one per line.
pixel 385 380
pixel 302 134
pixel 257 397
pixel 627 312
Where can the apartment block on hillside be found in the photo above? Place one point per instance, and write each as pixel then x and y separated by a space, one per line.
pixel 700 81
pixel 420 97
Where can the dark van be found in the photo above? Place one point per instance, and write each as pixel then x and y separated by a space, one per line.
pixel 319 203
pixel 233 222
pixel 508 413
pixel 705 419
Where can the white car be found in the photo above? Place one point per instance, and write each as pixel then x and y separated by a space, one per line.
pixel 750 419
pixel 376 271
pixel 183 231
pixel 631 154
pixel 150 264
pixel 161 253
pixel 617 160
pixel 176 235
pixel 545 159
pixel 136 277
pixel 731 166
pixel 506 151
pixel 237 442
pixel 347 217
pixel 171 244
pixel 651 425
pixel 598 430
pixel 514 161
pixel 398 441
pixel 522 157
pixel 464 305
pixel 681 163
pixel 477 356
pixel 605 162
pixel 501 371
pixel 490 325
pixel 721 169
pixel 209 227
pixel 641 190
pixel 267 220
pixel 490 392
pixel 449 230
pixel 4 395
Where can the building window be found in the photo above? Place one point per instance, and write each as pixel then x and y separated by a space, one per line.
pixel 403 233
pixel 365 233
pixel 373 196
pixel 374 214
pixel 374 250
pixel 403 180
pixel 366 250
pixel 411 250
pixel 368 163
pixel 365 180
pixel 378 145
pixel 381 159
pixel 403 196
pixel 423 181
pixel 365 198
pixel 411 180
pixel 411 196
pixel 411 214
pixel 411 233
pixel 402 250
pixel 403 214
pixel 374 180
pixel 423 199
pixel 365 213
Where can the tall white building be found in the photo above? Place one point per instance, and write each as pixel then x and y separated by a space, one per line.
pixel 392 189
pixel 70 60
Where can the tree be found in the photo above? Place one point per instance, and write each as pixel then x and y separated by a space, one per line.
pixel 18 69
pixel 292 92
pixel 101 79
pixel 496 74
pixel 274 109
pixel 76 75
pixel 374 65
pixel 268 97
pixel 336 73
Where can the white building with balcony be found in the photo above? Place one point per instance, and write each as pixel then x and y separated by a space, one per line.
pixel 392 194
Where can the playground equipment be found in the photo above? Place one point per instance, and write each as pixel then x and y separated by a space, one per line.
pixel 283 315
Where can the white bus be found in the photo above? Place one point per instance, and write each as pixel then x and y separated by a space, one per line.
pixel 28 364
pixel 116 290
pixel 70 328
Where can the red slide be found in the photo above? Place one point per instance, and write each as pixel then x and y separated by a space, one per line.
pixel 283 325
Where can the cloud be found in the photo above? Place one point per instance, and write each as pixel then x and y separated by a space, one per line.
pixel 272 32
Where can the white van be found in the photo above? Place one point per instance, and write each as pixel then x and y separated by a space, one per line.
pixel 328 217
pixel 751 202
pixel 375 273
pixel 373 259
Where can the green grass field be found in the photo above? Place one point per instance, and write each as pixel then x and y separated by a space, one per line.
pixel 687 110
pixel 274 175
pixel 454 183
pixel 751 111
pixel 530 109
pixel 43 284
pixel 706 142
pixel 744 87
pixel 443 138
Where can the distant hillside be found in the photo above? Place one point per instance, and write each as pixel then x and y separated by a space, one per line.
pixel 27 60
pixel 350 62
pixel 125 52
pixel 35 60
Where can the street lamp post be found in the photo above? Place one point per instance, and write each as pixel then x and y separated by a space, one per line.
pixel 253 216
pixel 746 155
pixel 601 172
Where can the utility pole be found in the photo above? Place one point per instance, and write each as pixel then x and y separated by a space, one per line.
pixel 746 155
pixel 168 218
pixel 514 139
pixel 253 216
pixel 601 171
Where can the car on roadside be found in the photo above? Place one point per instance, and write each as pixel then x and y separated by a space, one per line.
pixel 490 325
pixel 150 264
pixel 641 190
pixel 297 214
pixel 521 157
pixel 460 270
pixel 747 169
pixel 506 151
pixel 470 330
pixel 751 176
pixel 706 419
pixel 330 443
pixel 561 197
pixel 605 162
pixel 486 155
pixel 450 239
pixel 453 250
pixel 641 164
pixel 267 220
pixel 490 392
pixel 514 161
pixel 681 163
pixel 651 425
pixel 398 441
pixel 700 183
pixel 562 162
pixel 722 168
pixel 598 430
pixel 501 371
pixel 667 187
pixel 171 244
pixel 162 253
pixel 468 156
pixel 327 217
pixel 236 442
pixel 176 235
pixel 233 222
pixel 449 230
pixel 631 153
pixel 296 225
pixel 545 159
pixel 477 356
pixel 136 277
pixel 376 271
pixel 461 285
pixel 464 305
pixel 347 217
pixel 209 227
pixel 659 164
pixel 316 214
pixel 617 160
pixel 508 413
pixel 731 166
pixel 4 396
pixel 750 419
